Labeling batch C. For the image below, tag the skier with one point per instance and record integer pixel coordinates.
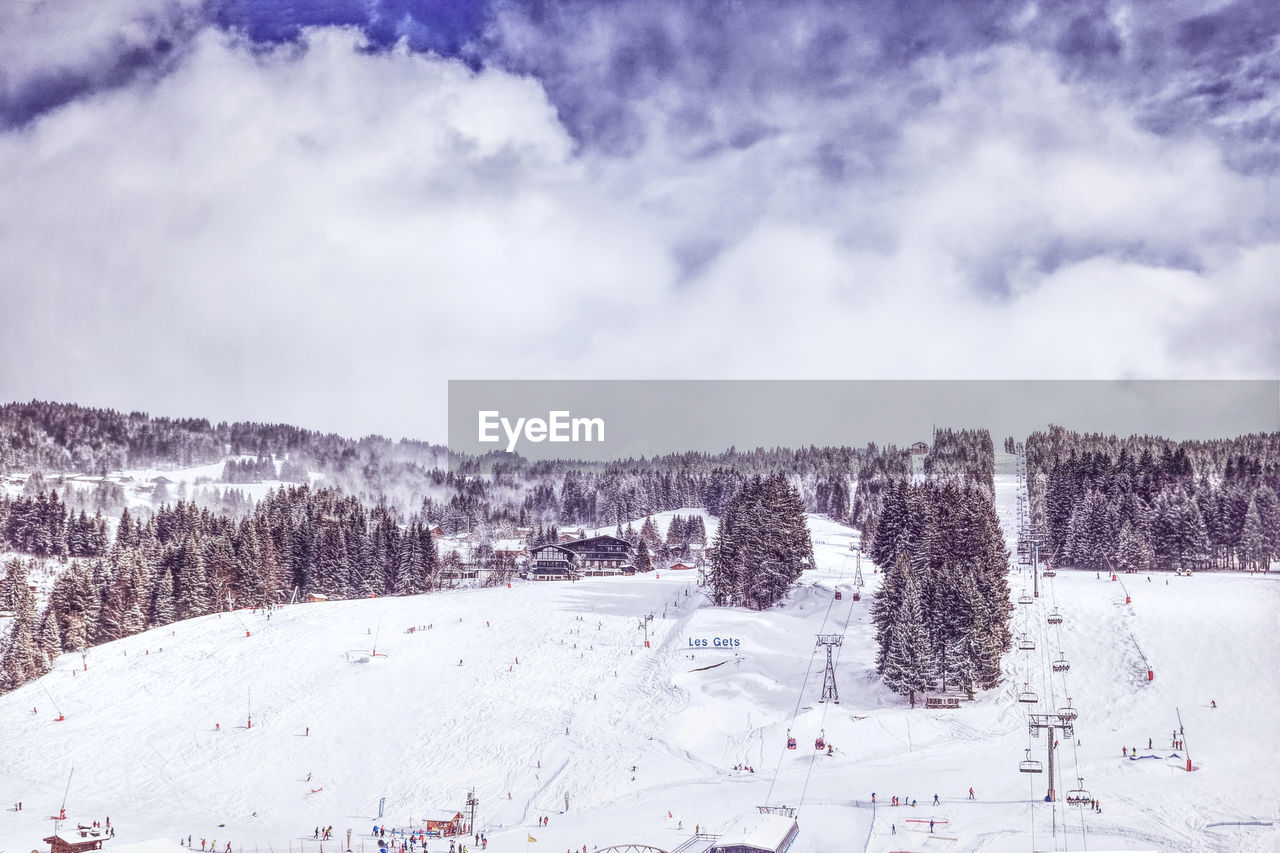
(1124, 750)
(971, 793)
(307, 732)
(935, 799)
(1148, 743)
(1213, 703)
(931, 824)
(893, 829)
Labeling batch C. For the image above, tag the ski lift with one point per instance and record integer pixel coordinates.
(1061, 665)
(1067, 713)
(1055, 618)
(1079, 796)
(1025, 599)
(1027, 644)
(791, 742)
(857, 596)
(839, 595)
(1027, 695)
(820, 742)
(1030, 765)
(1049, 573)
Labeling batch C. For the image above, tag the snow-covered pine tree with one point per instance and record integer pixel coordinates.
(20, 658)
(909, 664)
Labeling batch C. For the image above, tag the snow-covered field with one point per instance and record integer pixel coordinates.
(557, 697)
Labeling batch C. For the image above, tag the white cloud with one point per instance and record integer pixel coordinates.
(324, 235)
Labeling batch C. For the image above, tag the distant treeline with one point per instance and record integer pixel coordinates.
(1145, 502)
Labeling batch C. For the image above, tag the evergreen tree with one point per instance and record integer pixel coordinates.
(20, 657)
(909, 664)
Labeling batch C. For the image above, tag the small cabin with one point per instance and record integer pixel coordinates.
(510, 548)
(680, 566)
(76, 840)
(760, 833)
(316, 596)
(436, 531)
(444, 823)
(919, 448)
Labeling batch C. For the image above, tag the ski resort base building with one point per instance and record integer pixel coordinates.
(602, 555)
(759, 833)
(552, 563)
(598, 556)
(75, 840)
(444, 823)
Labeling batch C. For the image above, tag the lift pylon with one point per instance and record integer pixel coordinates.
(829, 690)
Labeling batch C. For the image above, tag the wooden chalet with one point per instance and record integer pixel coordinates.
(436, 531)
(681, 566)
(571, 534)
(444, 823)
(603, 555)
(316, 596)
(76, 840)
(552, 563)
(919, 448)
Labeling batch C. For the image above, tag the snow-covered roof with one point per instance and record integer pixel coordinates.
(442, 815)
(758, 831)
(509, 545)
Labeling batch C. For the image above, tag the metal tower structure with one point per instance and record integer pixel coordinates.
(857, 570)
(1051, 723)
(829, 677)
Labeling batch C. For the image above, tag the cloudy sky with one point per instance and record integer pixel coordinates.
(320, 212)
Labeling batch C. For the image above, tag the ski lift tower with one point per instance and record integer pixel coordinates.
(857, 570)
(1051, 723)
(829, 677)
(471, 804)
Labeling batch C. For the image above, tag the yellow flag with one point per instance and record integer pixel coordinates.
(531, 838)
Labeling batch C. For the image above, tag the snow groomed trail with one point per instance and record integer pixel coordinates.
(160, 739)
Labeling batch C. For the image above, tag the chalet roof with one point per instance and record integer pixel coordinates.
(443, 815)
(570, 553)
(579, 545)
(764, 832)
(509, 545)
(77, 836)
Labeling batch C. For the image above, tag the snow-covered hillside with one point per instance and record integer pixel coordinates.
(545, 691)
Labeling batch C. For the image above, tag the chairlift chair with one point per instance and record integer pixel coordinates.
(1050, 573)
(820, 742)
(1025, 599)
(1055, 618)
(1027, 695)
(1079, 796)
(1027, 644)
(791, 742)
(1066, 712)
(839, 595)
(1030, 765)
(1061, 665)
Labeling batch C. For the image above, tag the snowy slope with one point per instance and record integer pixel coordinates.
(420, 729)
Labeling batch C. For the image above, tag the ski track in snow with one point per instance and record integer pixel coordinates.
(415, 727)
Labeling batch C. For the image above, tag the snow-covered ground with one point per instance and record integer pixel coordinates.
(556, 696)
